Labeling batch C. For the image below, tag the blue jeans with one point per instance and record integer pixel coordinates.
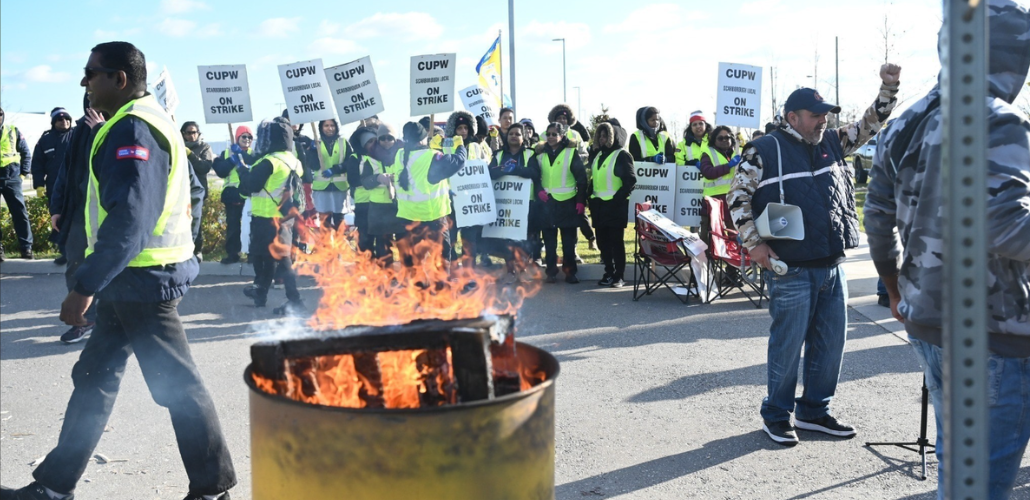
(809, 307)
(1008, 381)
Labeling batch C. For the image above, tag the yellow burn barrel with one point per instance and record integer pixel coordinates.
(498, 449)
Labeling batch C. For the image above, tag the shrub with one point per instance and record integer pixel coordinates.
(39, 220)
(213, 226)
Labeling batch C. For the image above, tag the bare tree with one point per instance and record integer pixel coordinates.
(889, 33)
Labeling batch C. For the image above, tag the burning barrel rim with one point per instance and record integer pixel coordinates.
(548, 364)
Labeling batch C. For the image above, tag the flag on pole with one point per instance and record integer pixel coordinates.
(489, 69)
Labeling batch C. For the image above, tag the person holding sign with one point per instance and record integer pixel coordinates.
(237, 157)
(462, 124)
(613, 180)
(651, 141)
(330, 191)
(383, 224)
(423, 191)
(362, 141)
(804, 160)
(563, 183)
(517, 160)
(695, 140)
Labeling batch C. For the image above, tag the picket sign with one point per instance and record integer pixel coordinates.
(474, 203)
(512, 197)
(656, 184)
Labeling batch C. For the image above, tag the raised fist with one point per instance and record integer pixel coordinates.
(890, 73)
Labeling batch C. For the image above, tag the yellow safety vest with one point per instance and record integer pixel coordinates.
(265, 203)
(557, 179)
(606, 184)
(9, 146)
(422, 201)
(715, 187)
(646, 148)
(330, 161)
(378, 195)
(171, 240)
(692, 152)
(234, 177)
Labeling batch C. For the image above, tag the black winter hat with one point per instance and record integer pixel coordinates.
(413, 132)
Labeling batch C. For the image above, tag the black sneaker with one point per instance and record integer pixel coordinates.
(781, 432)
(607, 280)
(27, 255)
(60, 261)
(883, 300)
(77, 334)
(250, 291)
(571, 279)
(826, 425)
(194, 496)
(619, 283)
(34, 491)
(231, 259)
(551, 279)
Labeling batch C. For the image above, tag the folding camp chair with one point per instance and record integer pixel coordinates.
(726, 252)
(657, 261)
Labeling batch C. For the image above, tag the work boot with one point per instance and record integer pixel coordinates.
(194, 496)
(34, 491)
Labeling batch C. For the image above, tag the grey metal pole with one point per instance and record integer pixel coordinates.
(511, 51)
(964, 177)
(564, 88)
(836, 70)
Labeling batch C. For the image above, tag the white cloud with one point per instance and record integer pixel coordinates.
(654, 17)
(338, 46)
(278, 27)
(182, 6)
(45, 74)
(176, 27)
(209, 30)
(404, 27)
(105, 34)
(327, 28)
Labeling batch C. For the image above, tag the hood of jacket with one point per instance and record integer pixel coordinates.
(356, 144)
(326, 138)
(642, 122)
(273, 136)
(619, 138)
(561, 109)
(906, 189)
(457, 118)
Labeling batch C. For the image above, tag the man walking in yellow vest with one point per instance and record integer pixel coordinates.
(15, 163)
(139, 261)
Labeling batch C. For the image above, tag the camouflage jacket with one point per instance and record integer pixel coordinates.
(903, 214)
(749, 172)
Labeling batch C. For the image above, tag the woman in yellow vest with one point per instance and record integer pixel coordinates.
(563, 189)
(384, 227)
(695, 140)
(613, 180)
(362, 141)
(516, 159)
(462, 124)
(330, 194)
(718, 166)
(423, 191)
(228, 165)
(273, 183)
(651, 141)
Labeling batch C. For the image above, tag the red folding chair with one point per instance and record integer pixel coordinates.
(657, 261)
(731, 265)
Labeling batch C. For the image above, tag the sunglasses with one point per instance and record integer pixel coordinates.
(191, 132)
(247, 137)
(723, 138)
(91, 72)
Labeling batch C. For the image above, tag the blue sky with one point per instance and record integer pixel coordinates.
(624, 55)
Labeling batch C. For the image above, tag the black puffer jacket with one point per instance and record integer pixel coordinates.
(615, 212)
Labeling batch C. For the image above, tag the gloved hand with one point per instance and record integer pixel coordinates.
(542, 195)
(580, 209)
(384, 179)
(436, 143)
(41, 192)
(458, 142)
(495, 131)
(509, 166)
(734, 161)
(237, 160)
(327, 173)
(236, 149)
(659, 158)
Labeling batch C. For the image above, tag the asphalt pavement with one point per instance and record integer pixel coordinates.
(656, 399)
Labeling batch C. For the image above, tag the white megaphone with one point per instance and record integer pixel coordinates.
(781, 221)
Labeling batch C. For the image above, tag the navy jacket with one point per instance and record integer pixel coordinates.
(68, 196)
(132, 192)
(47, 157)
(817, 179)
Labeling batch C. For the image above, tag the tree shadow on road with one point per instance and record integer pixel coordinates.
(653, 472)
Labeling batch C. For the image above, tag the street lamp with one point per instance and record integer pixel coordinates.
(564, 96)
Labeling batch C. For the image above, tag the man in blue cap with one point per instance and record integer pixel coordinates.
(804, 161)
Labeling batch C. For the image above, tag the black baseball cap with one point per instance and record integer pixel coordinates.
(806, 98)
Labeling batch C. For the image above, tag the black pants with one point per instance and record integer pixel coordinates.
(263, 232)
(613, 250)
(233, 224)
(584, 227)
(153, 331)
(75, 251)
(11, 190)
(439, 229)
(568, 250)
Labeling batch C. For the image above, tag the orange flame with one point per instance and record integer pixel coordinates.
(359, 290)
